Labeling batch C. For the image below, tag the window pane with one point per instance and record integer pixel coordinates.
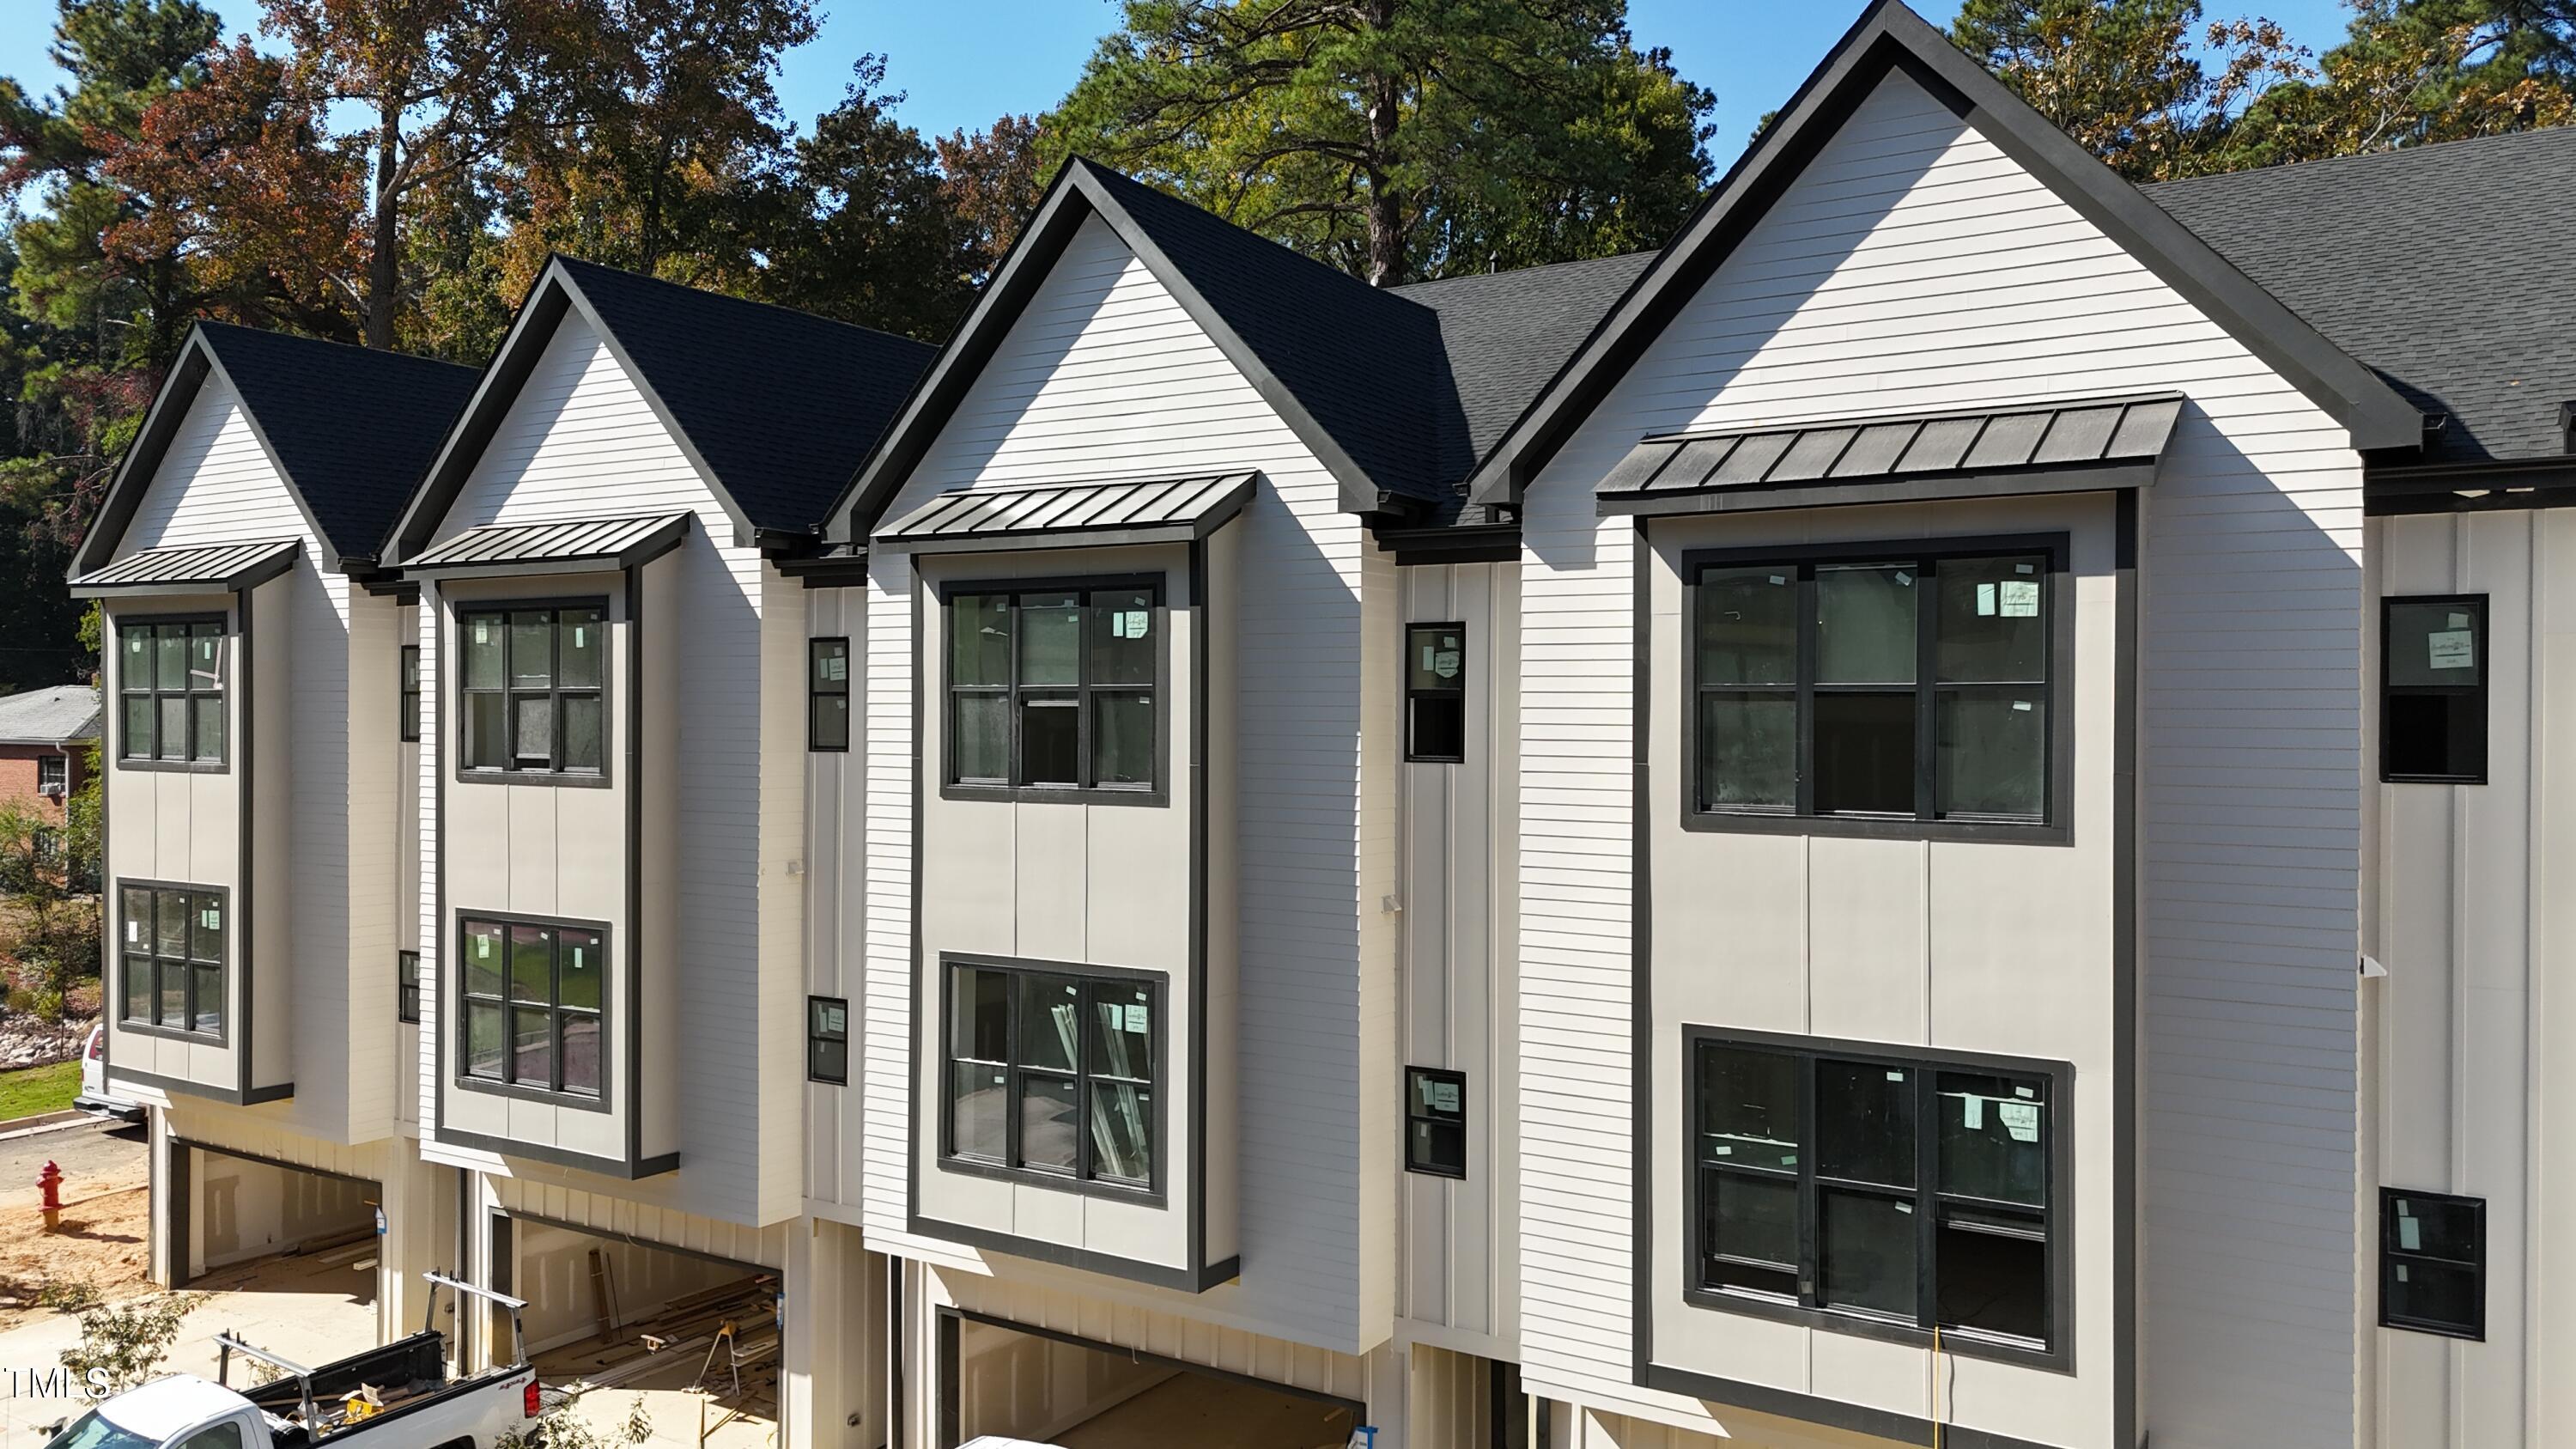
(2436, 734)
(585, 746)
(1050, 1023)
(1050, 639)
(1123, 647)
(485, 949)
(580, 966)
(1122, 739)
(1122, 1131)
(482, 648)
(2434, 644)
(533, 746)
(980, 732)
(531, 963)
(1436, 1147)
(582, 639)
(2434, 1227)
(1748, 626)
(174, 994)
(1865, 754)
(829, 662)
(2423, 1290)
(1865, 1253)
(1748, 1107)
(581, 1052)
(134, 671)
(209, 733)
(1865, 624)
(410, 667)
(976, 1107)
(1994, 1273)
(1436, 727)
(1050, 1123)
(532, 1046)
(411, 716)
(210, 998)
(487, 731)
(1993, 754)
(1748, 751)
(170, 647)
(828, 1061)
(1865, 1122)
(1989, 626)
(1050, 740)
(1122, 1030)
(483, 1041)
(1435, 659)
(174, 727)
(532, 655)
(827, 1019)
(980, 1009)
(1994, 1138)
(139, 715)
(206, 927)
(205, 656)
(170, 924)
(979, 639)
(831, 721)
(1750, 1218)
(138, 988)
(135, 907)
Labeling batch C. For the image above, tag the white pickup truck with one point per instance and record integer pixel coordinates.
(395, 1397)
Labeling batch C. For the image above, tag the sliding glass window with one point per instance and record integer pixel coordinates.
(1053, 1074)
(1055, 689)
(532, 689)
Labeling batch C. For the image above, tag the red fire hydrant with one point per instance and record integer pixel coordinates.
(50, 1182)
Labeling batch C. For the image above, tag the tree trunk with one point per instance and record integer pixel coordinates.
(384, 257)
(1385, 205)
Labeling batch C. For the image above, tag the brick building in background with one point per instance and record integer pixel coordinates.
(44, 744)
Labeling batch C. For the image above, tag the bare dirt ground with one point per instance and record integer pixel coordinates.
(106, 1217)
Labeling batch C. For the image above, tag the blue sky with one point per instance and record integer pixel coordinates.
(965, 62)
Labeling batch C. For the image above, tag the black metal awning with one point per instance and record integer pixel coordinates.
(562, 546)
(1060, 515)
(202, 569)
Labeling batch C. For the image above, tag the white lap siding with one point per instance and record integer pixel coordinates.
(1914, 267)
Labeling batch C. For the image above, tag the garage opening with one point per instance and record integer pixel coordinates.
(1003, 1381)
(259, 1226)
(615, 1319)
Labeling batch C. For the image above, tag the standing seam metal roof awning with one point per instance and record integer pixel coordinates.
(1053, 515)
(202, 569)
(2034, 448)
(560, 546)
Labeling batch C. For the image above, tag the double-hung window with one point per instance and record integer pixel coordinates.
(1053, 1074)
(53, 774)
(532, 1003)
(827, 1040)
(1055, 688)
(532, 695)
(1435, 693)
(171, 953)
(410, 697)
(2433, 1263)
(2433, 690)
(170, 691)
(827, 694)
(407, 986)
(1879, 684)
(1880, 1192)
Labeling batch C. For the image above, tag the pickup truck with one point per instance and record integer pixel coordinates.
(395, 1397)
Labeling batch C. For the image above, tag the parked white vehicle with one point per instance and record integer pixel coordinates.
(96, 1097)
(394, 1397)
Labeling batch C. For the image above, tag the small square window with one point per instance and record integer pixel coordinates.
(827, 1040)
(2433, 1263)
(2433, 690)
(52, 771)
(1435, 693)
(1435, 1122)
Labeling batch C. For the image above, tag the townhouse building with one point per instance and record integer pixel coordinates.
(1920, 818)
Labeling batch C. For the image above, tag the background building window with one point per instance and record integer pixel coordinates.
(1902, 1191)
(1435, 692)
(532, 1000)
(171, 955)
(1054, 689)
(53, 774)
(2433, 1263)
(407, 986)
(410, 692)
(531, 693)
(170, 691)
(827, 1040)
(827, 685)
(1053, 1074)
(1435, 1122)
(2433, 690)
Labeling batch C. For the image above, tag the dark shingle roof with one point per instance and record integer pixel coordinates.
(353, 427)
(2446, 268)
(781, 404)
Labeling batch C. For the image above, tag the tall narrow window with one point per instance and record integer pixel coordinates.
(531, 695)
(1055, 689)
(410, 701)
(827, 1040)
(531, 998)
(2433, 1263)
(171, 956)
(170, 691)
(2433, 690)
(1435, 1122)
(1053, 1074)
(827, 686)
(407, 986)
(1435, 692)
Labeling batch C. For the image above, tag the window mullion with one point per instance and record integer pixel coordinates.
(1927, 1207)
(1927, 756)
(1806, 686)
(1810, 1252)
(1011, 1022)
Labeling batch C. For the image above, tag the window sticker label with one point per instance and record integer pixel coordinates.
(211, 918)
(1128, 624)
(1974, 1108)
(2019, 598)
(1137, 1019)
(2021, 1119)
(1444, 1096)
(580, 634)
(482, 947)
(835, 669)
(1985, 601)
(1445, 663)
(2410, 1234)
(2452, 648)
(482, 631)
(133, 930)
(835, 1018)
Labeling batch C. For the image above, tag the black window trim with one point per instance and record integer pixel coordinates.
(452, 1014)
(1413, 756)
(1160, 794)
(816, 693)
(2055, 827)
(815, 1035)
(407, 694)
(2057, 1354)
(1153, 1194)
(1413, 1113)
(2481, 691)
(117, 624)
(452, 723)
(2390, 1255)
(111, 1006)
(407, 993)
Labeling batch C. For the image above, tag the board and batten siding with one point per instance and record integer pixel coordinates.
(1913, 266)
(1104, 375)
(836, 894)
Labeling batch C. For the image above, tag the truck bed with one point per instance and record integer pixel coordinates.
(407, 1375)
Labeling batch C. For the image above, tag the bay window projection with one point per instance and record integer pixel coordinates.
(1888, 685)
(171, 958)
(1878, 1193)
(1055, 689)
(531, 1006)
(531, 692)
(170, 692)
(1053, 1075)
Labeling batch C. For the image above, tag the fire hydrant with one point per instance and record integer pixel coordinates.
(50, 1182)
